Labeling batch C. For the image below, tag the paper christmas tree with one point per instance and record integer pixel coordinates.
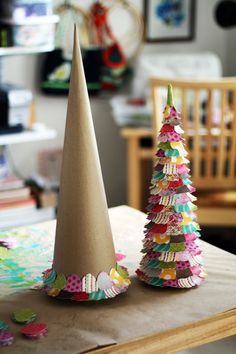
(171, 247)
(84, 265)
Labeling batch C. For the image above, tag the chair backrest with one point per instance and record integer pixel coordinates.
(209, 120)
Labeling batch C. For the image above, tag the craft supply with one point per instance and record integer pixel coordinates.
(21, 9)
(35, 330)
(84, 265)
(88, 287)
(171, 234)
(3, 326)
(23, 316)
(6, 338)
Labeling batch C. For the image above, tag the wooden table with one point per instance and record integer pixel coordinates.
(143, 320)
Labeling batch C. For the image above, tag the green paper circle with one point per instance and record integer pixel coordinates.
(23, 316)
(60, 282)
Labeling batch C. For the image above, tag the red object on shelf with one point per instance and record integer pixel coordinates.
(136, 101)
(102, 29)
(113, 57)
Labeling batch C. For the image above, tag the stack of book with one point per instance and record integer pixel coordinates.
(17, 206)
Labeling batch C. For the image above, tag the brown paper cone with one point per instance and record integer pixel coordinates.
(84, 241)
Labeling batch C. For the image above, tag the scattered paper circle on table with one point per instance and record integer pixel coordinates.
(3, 326)
(6, 338)
(35, 330)
(23, 316)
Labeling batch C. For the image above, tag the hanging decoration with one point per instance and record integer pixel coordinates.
(107, 65)
(55, 75)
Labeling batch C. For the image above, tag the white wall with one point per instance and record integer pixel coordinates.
(231, 53)
(52, 111)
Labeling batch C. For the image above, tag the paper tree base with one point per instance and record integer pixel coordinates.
(87, 288)
(185, 283)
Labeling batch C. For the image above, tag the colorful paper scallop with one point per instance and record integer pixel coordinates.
(35, 330)
(88, 287)
(89, 284)
(104, 282)
(60, 282)
(73, 284)
(112, 292)
(172, 152)
(49, 276)
(24, 315)
(6, 338)
(3, 326)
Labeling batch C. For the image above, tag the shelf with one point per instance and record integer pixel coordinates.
(28, 217)
(32, 20)
(27, 136)
(25, 50)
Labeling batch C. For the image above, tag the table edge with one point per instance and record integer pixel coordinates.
(191, 335)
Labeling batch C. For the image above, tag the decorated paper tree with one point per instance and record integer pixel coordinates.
(171, 247)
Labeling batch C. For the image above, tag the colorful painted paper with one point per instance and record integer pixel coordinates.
(32, 243)
(36, 245)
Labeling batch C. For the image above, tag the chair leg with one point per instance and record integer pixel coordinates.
(134, 173)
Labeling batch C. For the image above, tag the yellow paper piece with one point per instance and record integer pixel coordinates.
(177, 145)
(168, 274)
(3, 253)
(166, 111)
(163, 184)
(117, 279)
(161, 239)
(177, 160)
(186, 220)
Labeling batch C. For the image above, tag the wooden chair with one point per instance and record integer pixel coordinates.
(209, 121)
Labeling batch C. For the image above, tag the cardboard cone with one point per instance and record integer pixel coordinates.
(84, 245)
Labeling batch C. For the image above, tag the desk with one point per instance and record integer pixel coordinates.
(143, 320)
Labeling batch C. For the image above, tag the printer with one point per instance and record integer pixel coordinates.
(15, 105)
